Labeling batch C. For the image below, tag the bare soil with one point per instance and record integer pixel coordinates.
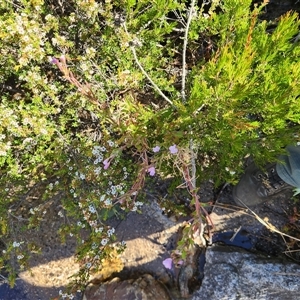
(151, 237)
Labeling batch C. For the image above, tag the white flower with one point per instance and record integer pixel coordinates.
(90, 51)
(3, 153)
(107, 202)
(92, 209)
(104, 242)
(96, 150)
(27, 141)
(43, 131)
(98, 229)
(230, 171)
(97, 171)
(110, 232)
(110, 143)
(16, 244)
(93, 223)
(84, 67)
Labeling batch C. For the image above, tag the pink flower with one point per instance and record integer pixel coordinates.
(63, 59)
(53, 60)
(173, 149)
(168, 263)
(151, 171)
(179, 263)
(106, 164)
(156, 149)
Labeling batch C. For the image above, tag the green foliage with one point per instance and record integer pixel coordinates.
(81, 132)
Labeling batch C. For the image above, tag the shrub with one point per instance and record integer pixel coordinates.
(98, 96)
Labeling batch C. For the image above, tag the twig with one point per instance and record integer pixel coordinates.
(14, 4)
(183, 93)
(291, 251)
(193, 163)
(235, 234)
(267, 224)
(155, 86)
(191, 179)
(185, 42)
(148, 77)
(217, 199)
(3, 279)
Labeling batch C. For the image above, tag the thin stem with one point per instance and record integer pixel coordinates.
(145, 73)
(192, 179)
(193, 163)
(148, 77)
(183, 92)
(185, 42)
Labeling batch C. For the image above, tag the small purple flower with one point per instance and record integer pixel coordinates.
(168, 263)
(106, 164)
(53, 60)
(151, 171)
(173, 149)
(156, 149)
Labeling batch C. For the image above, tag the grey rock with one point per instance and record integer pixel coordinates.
(143, 288)
(232, 273)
